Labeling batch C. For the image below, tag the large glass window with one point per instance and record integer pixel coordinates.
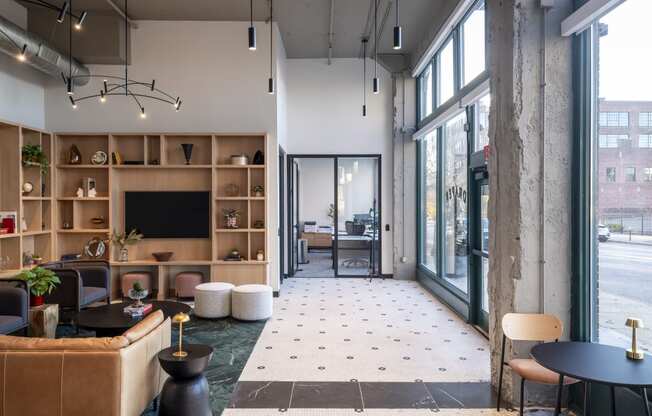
(425, 92)
(446, 73)
(482, 127)
(473, 43)
(622, 212)
(456, 230)
(429, 196)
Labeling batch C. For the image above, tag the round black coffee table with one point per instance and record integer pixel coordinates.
(185, 393)
(110, 320)
(595, 363)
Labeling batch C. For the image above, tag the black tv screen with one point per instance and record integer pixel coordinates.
(168, 214)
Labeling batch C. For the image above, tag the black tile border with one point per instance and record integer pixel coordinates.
(362, 395)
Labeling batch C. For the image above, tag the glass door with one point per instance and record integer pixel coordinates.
(357, 234)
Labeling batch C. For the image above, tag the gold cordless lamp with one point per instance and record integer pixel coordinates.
(634, 353)
(180, 319)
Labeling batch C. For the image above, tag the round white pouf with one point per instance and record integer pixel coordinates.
(213, 300)
(252, 302)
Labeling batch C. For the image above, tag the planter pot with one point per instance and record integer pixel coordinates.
(231, 222)
(36, 300)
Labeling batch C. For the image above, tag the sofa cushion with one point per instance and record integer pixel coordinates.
(144, 327)
(10, 343)
(9, 323)
(93, 294)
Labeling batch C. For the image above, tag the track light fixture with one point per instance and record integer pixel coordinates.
(376, 81)
(252, 29)
(115, 85)
(62, 12)
(364, 76)
(80, 20)
(270, 82)
(398, 31)
(22, 56)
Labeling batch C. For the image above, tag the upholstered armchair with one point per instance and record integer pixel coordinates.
(82, 282)
(14, 306)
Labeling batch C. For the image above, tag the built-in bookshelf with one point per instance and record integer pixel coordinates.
(26, 192)
(59, 221)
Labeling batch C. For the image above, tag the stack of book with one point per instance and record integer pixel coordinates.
(134, 310)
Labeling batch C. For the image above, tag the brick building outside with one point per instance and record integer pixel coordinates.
(625, 166)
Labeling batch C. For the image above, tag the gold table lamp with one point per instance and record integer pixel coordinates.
(180, 319)
(634, 353)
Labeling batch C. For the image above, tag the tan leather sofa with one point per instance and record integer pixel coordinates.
(117, 376)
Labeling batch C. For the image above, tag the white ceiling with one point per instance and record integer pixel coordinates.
(304, 24)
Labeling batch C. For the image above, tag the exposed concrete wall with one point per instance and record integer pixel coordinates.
(405, 224)
(530, 135)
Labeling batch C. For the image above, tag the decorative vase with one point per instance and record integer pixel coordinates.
(35, 300)
(260, 255)
(124, 254)
(231, 222)
(74, 156)
(187, 151)
(259, 159)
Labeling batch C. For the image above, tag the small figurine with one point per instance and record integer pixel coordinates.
(80, 193)
(92, 193)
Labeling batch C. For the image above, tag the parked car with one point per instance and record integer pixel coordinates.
(603, 233)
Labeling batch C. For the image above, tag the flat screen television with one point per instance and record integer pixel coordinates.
(168, 214)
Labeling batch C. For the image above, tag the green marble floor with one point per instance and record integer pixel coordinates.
(232, 341)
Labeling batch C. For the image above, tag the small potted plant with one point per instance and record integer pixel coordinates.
(40, 282)
(231, 216)
(137, 293)
(122, 240)
(258, 190)
(33, 155)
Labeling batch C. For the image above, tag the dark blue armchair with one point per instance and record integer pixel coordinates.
(14, 306)
(82, 282)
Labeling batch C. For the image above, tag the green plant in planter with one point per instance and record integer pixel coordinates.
(123, 239)
(33, 155)
(259, 189)
(40, 281)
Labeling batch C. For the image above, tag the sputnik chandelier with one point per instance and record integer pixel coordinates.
(138, 91)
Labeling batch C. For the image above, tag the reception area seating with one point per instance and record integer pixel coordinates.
(82, 283)
(252, 302)
(118, 376)
(14, 305)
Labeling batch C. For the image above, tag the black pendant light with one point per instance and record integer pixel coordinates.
(376, 81)
(69, 86)
(398, 31)
(364, 77)
(270, 82)
(252, 29)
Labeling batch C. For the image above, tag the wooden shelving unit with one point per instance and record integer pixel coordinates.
(159, 165)
(34, 210)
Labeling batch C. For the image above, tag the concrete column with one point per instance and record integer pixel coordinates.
(404, 104)
(529, 168)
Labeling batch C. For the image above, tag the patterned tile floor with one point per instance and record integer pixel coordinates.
(383, 330)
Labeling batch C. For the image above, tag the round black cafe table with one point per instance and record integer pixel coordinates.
(595, 363)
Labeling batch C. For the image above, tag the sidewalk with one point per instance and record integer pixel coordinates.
(634, 239)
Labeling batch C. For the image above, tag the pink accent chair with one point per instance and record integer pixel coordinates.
(128, 279)
(185, 283)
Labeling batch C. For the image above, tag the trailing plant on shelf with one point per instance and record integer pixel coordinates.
(40, 282)
(33, 155)
(122, 240)
(231, 216)
(258, 190)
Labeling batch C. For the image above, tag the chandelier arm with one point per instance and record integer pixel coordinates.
(140, 106)
(122, 95)
(121, 85)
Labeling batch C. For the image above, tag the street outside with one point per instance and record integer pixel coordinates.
(625, 289)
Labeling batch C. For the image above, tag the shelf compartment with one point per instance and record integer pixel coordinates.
(38, 244)
(87, 209)
(33, 216)
(228, 241)
(87, 145)
(227, 177)
(257, 178)
(242, 206)
(73, 242)
(71, 179)
(240, 273)
(256, 242)
(66, 214)
(131, 148)
(9, 168)
(257, 213)
(184, 249)
(10, 252)
(201, 151)
(227, 146)
(153, 149)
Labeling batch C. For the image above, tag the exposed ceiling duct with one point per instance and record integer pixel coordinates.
(38, 53)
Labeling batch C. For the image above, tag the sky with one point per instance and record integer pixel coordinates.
(626, 53)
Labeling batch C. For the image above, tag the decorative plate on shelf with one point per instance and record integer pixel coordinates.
(99, 158)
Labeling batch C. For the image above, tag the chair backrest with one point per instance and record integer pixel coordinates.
(348, 226)
(532, 327)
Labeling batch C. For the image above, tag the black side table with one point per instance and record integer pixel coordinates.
(185, 393)
(595, 363)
